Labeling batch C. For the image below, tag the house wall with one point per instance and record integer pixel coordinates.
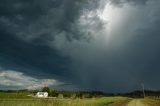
(42, 94)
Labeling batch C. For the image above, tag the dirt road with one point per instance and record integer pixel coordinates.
(121, 103)
(136, 102)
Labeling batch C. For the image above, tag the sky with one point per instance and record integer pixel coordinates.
(104, 45)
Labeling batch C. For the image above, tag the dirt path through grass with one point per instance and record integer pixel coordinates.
(121, 103)
(136, 102)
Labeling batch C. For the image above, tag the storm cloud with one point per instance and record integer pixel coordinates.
(118, 2)
(109, 45)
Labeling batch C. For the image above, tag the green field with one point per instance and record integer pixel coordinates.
(21, 99)
(151, 101)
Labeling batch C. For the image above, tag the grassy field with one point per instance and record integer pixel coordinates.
(21, 99)
(14, 95)
(151, 101)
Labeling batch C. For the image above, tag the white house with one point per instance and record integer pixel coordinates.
(42, 94)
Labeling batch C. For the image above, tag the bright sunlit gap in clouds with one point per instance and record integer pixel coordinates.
(112, 16)
(115, 17)
(103, 23)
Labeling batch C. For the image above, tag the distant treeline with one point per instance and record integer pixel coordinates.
(86, 94)
(66, 94)
(140, 94)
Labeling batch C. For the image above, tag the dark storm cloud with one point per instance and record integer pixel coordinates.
(66, 40)
(30, 19)
(17, 16)
(18, 55)
(121, 2)
(132, 53)
(27, 27)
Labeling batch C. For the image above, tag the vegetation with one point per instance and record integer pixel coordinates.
(68, 94)
(21, 99)
(151, 101)
(14, 95)
(70, 98)
(46, 89)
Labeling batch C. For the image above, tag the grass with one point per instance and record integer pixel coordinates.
(21, 99)
(14, 95)
(151, 101)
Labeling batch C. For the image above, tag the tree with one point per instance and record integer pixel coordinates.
(46, 89)
(54, 93)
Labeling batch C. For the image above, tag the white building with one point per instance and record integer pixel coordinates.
(42, 94)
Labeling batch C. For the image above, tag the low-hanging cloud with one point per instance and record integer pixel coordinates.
(18, 80)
